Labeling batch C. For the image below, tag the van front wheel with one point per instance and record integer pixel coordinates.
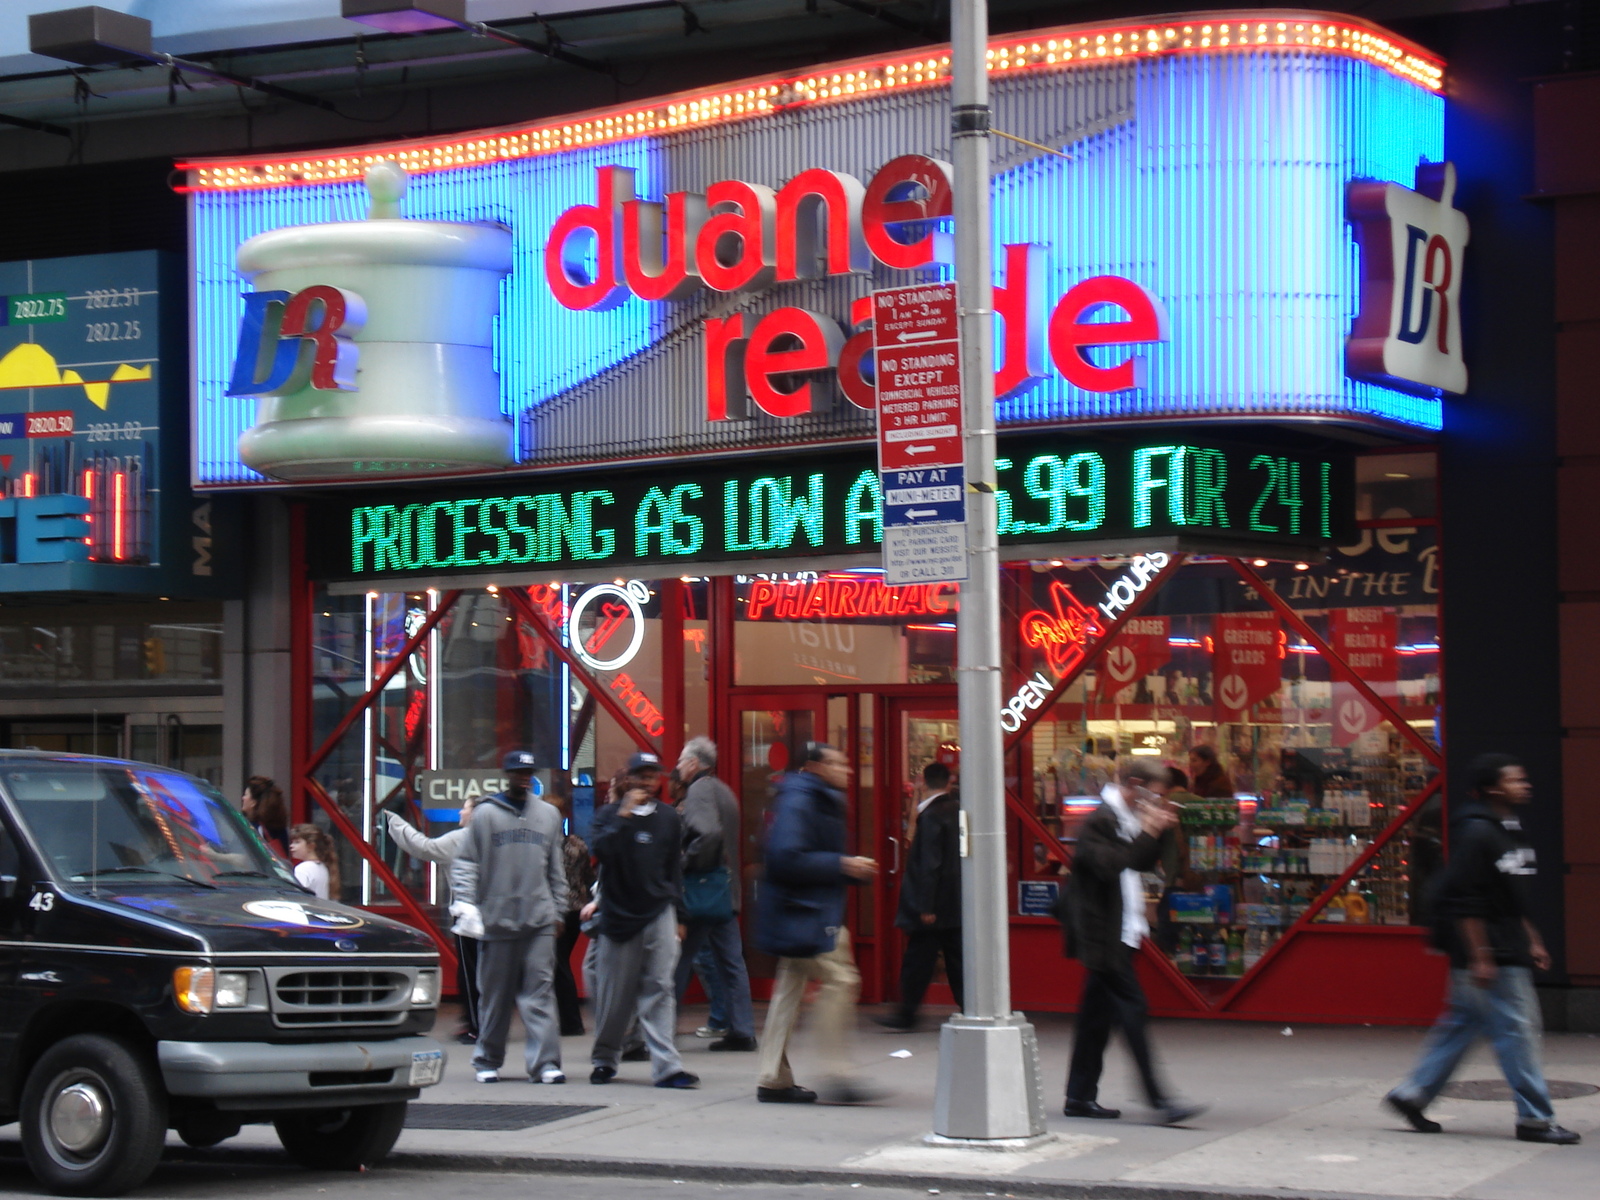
(94, 1117)
(341, 1139)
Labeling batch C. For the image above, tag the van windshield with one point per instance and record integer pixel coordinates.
(99, 823)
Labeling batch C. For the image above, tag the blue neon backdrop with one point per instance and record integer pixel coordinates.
(1223, 194)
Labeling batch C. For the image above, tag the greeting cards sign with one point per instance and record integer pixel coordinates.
(1247, 662)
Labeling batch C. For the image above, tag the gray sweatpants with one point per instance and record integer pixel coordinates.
(591, 985)
(518, 973)
(636, 978)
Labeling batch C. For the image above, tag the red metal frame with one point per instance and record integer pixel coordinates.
(380, 681)
(301, 716)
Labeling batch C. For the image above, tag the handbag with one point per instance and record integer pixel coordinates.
(705, 895)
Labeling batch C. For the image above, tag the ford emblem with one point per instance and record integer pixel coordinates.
(344, 944)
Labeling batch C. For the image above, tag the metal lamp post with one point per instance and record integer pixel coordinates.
(989, 1087)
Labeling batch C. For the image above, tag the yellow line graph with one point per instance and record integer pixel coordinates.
(32, 366)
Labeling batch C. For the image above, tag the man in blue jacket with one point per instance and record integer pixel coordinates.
(801, 922)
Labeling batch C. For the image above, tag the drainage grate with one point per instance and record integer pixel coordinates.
(489, 1117)
(1497, 1089)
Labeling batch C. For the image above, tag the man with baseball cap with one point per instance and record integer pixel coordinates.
(637, 841)
(510, 881)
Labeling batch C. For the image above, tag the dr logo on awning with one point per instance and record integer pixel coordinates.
(1408, 333)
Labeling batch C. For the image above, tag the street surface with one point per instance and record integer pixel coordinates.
(1294, 1113)
(195, 1181)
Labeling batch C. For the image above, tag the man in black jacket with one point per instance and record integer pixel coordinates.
(1105, 924)
(930, 898)
(1481, 921)
(637, 841)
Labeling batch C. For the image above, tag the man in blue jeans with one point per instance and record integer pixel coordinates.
(1481, 920)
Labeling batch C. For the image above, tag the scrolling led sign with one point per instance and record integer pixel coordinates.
(1052, 491)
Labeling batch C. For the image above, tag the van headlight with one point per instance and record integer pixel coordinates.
(233, 989)
(201, 990)
(195, 989)
(425, 991)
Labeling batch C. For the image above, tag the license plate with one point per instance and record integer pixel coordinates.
(427, 1067)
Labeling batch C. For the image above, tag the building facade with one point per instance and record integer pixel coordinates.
(559, 433)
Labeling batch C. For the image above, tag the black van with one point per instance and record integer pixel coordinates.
(162, 969)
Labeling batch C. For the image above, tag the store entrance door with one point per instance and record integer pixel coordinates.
(888, 740)
(920, 731)
(771, 733)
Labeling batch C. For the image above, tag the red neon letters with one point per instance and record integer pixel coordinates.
(741, 236)
(839, 597)
(904, 201)
(1071, 333)
(791, 342)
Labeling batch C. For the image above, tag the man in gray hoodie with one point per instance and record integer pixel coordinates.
(508, 880)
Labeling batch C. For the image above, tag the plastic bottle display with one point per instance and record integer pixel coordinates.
(415, 387)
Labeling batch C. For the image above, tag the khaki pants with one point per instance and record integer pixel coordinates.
(834, 1012)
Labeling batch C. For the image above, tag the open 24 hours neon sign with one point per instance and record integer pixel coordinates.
(743, 237)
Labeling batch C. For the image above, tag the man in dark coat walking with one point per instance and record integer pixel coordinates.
(1105, 923)
(801, 922)
(930, 898)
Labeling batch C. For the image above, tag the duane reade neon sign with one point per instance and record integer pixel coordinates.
(690, 273)
(746, 237)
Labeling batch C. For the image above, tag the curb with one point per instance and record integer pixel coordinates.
(1044, 1189)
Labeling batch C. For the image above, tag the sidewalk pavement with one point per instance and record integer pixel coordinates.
(1293, 1113)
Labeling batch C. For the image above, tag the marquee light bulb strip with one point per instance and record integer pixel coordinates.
(1060, 49)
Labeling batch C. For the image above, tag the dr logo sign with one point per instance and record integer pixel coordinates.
(289, 340)
(1408, 333)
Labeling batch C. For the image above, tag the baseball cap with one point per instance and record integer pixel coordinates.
(643, 760)
(518, 760)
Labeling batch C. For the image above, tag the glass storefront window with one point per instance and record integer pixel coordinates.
(487, 679)
(1291, 772)
(123, 644)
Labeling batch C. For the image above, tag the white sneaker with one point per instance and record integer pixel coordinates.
(552, 1075)
(710, 1031)
(488, 1076)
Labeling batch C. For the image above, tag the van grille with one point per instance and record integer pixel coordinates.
(304, 998)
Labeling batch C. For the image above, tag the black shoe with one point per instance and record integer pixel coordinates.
(1176, 1113)
(637, 1054)
(1412, 1112)
(602, 1074)
(1088, 1108)
(681, 1080)
(733, 1042)
(896, 1022)
(793, 1094)
(845, 1092)
(572, 1031)
(1550, 1135)
(467, 1038)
